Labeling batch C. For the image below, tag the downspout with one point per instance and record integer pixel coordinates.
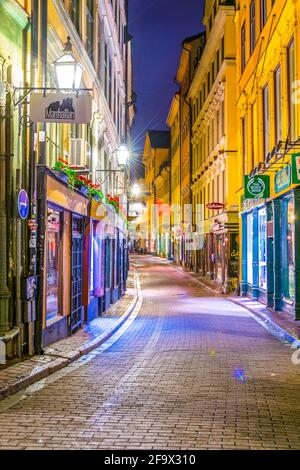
(5, 295)
(38, 173)
(21, 228)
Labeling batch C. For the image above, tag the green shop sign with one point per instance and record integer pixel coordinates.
(257, 187)
(282, 179)
(296, 168)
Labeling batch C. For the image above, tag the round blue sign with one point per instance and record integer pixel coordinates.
(23, 204)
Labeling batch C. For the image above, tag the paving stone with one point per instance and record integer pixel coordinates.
(159, 387)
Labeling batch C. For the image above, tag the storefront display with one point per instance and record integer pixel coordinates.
(262, 248)
(54, 254)
(250, 249)
(288, 258)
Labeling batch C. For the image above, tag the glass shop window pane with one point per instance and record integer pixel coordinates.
(249, 249)
(262, 246)
(291, 250)
(53, 263)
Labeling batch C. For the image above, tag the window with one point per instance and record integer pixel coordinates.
(262, 247)
(291, 79)
(90, 29)
(243, 47)
(288, 254)
(54, 260)
(277, 99)
(222, 118)
(99, 46)
(244, 144)
(75, 13)
(263, 13)
(222, 49)
(249, 249)
(266, 120)
(110, 84)
(105, 69)
(218, 60)
(252, 26)
(254, 146)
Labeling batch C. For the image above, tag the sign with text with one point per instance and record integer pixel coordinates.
(282, 179)
(61, 107)
(257, 187)
(215, 206)
(296, 168)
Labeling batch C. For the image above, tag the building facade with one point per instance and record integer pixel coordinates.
(68, 261)
(173, 122)
(155, 159)
(191, 47)
(214, 143)
(268, 40)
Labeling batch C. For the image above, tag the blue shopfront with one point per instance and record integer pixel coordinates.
(271, 250)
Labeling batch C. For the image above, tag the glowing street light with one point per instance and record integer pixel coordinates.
(136, 190)
(123, 155)
(67, 70)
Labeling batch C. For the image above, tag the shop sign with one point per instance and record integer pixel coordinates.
(23, 204)
(215, 206)
(257, 187)
(29, 288)
(217, 225)
(296, 168)
(61, 108)
(283, 179)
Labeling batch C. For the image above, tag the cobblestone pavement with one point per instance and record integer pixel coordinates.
(191, 372)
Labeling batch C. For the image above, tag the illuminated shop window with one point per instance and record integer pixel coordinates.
(249, 249)
(288, 258)
(262, 246)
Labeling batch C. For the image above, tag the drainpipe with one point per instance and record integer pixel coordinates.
(39, 57)
(21, 226)
(5, 295)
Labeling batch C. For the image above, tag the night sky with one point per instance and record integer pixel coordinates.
(158, 27)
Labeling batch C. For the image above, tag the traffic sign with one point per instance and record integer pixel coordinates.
(23, 204)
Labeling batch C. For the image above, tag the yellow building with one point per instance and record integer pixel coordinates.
(163, 202)
(156, 153)
(268, 46)
(173, 121)
(191, 47)
(214, 143)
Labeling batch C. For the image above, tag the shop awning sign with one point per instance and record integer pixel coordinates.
(257, 187)
(282, 179)
(296, 168)
(61, 108)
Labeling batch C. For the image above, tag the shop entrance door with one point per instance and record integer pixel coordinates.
(76, 279)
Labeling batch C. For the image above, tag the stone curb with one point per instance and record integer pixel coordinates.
(60, 362)
(280, 333)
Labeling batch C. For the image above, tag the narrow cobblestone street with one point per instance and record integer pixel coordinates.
(191, 372)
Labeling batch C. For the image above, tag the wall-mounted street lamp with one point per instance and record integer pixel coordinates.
(67, 70)
(123, 155)
(135, 190)
(68, 74)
